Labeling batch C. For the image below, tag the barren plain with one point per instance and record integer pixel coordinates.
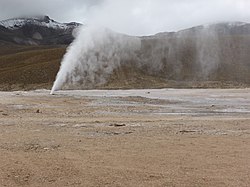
(161, 137)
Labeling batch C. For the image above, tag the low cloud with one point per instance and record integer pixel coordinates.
(143, 17)
(135, 17)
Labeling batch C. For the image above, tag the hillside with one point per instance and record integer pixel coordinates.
(218, 52)
(40, 30)
(24, 68)
(215, 55)
(211, 56)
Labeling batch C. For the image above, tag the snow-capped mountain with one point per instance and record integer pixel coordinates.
(36, 31)
(43, 21)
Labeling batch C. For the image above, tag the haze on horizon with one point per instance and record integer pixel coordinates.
(134, 17)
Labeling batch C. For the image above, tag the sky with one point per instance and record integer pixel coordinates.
(134, 17)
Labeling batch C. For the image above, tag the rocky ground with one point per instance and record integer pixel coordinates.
(125, 138)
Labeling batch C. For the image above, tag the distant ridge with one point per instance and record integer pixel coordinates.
(206, 56)
(36, 30)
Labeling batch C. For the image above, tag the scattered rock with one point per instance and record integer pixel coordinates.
(187, 131)
(118, 133)
(80, 126)
(117, 125)
(129, 132)
(32, 147)
(112, 133)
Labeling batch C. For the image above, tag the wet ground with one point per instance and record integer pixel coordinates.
(174, 101)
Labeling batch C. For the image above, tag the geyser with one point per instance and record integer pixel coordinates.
(93, 56)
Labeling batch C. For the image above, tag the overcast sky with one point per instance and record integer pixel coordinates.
(137, 17)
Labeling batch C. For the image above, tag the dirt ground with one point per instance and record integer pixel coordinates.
(125, 138)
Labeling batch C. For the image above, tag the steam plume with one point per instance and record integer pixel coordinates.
(93, 56)
(195, 54)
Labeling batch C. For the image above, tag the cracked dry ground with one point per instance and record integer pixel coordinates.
(118, 141)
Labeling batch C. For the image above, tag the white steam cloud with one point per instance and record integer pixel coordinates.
(147, 17)
(93, 56)
(133, 17)
(98, 51)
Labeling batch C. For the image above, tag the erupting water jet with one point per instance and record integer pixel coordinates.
(93, 56)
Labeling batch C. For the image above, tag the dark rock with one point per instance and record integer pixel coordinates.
(25, 29)
(117, 125)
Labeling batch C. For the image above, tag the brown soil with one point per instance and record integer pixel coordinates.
(24, 68)
(79, 140)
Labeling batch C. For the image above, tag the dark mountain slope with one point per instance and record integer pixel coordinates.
(29, 68)
(36, 31)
